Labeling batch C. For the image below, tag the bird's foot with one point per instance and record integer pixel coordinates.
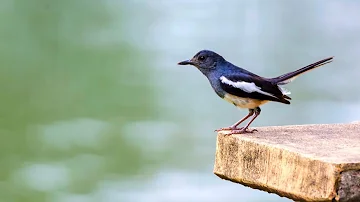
(241, 131)
(227, 128)
(234, 130)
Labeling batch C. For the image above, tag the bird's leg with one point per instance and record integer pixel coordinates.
(245, 129)
(233, 127)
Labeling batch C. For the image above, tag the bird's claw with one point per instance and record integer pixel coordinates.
(226, 128)
(241, 131)
(234, 130)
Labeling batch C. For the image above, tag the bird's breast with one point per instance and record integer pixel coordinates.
(244, 102)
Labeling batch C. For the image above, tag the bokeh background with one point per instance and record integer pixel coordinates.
(94, 107)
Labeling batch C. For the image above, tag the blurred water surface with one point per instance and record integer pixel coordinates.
(94, 107)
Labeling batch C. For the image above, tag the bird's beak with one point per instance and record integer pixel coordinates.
(186, 62)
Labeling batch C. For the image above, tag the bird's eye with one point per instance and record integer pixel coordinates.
(201, 58)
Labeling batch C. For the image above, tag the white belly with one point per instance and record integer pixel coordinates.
(244, 102)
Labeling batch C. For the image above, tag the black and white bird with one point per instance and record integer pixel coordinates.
(242, 88)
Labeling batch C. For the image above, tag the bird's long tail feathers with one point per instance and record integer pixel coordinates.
(288, 77)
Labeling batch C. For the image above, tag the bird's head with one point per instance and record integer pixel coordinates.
(204, 60)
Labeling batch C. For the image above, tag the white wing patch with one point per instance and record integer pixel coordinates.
(245, 86)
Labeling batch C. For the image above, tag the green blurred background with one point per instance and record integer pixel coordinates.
(94, 107)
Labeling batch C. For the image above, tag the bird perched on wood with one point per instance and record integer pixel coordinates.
(242, 88)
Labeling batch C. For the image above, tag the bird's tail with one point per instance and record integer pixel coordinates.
(287, 78)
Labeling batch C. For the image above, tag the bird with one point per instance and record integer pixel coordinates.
(243, 88)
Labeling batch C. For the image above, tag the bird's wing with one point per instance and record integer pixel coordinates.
(252, 87)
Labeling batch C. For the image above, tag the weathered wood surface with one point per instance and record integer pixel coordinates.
(303, 163)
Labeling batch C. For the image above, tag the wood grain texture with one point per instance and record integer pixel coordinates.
(304, 163)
